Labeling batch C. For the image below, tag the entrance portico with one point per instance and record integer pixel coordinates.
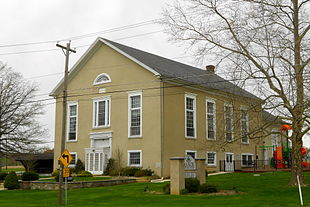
(96, 157)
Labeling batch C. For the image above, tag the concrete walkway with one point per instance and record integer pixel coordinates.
(168, 180)
(218, 173)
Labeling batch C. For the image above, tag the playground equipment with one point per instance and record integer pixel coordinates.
(283, 156)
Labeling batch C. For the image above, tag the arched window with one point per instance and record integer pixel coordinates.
(102, 78)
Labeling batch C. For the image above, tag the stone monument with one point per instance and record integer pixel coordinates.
(185, 167)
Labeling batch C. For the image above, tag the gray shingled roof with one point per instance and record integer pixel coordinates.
(268, 117)
(182, 72)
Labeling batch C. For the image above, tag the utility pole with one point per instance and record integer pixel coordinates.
(66, 51)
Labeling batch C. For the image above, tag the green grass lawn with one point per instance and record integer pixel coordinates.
(269, 189)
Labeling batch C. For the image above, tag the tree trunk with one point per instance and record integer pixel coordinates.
(297, 168)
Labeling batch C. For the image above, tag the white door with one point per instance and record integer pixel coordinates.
(95, 162)
(229, 162)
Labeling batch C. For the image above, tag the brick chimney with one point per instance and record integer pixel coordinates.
(210, 68)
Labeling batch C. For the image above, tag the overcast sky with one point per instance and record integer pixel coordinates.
(52, 20)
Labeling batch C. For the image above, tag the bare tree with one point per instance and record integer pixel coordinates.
(19, 130)
(263, 42)
(119, 160)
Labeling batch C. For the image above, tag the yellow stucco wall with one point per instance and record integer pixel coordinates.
(175, 142)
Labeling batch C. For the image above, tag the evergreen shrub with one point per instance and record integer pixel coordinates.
(11, 181)
(192, 185)
(205, 188)
(29, 176)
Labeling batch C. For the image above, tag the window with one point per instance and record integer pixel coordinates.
(135, 114)
(102, 78)
(244, 126)
(211, 119)
(228, 116)
(191, 153)
(135, 158)
(74, 158)
(190, 116)
(247, 160)
(211, 158)
(101, 108)
(72, 122)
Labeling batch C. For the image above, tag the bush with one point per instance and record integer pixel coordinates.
(183, 191)
(110, 169)
(192, 184)
(205, 188)
(143, 172)
(29, 176)
(79, 166)
(166, 188)
(129, 171)
(3, 175)
(55, 174)
(84, 174)
(71, 171)
(11, 181)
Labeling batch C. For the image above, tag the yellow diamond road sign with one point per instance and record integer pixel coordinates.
(65, 158)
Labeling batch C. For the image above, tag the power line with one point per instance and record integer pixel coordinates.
(49, 50)
(152, 88)
(115, 29)
(177, 78)
(85, 35)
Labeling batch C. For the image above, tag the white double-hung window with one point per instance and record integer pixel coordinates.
(190, 116)
(74, 159)
(135, 114)
(211, 159)
(211, 119)
(244, 125)
(72, 121)
(101, 111)
(135, 158)
(228, 118)
(247, 160)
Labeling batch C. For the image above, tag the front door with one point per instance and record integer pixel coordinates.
(229, 162)
(95, 161)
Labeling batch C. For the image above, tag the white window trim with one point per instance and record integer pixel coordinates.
(73, 153)
(102, 82)
(192, 151)
(193, 96)
(134, 93)
(247, 154)
(97, 99)
(247, 123)
(128, 161)
(232, 121)
(214, 159)
(214, 124)
(72, 103)
(230, 153)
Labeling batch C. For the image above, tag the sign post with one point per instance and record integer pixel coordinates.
(65, 159)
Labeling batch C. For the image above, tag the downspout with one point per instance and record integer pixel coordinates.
(162, 127)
